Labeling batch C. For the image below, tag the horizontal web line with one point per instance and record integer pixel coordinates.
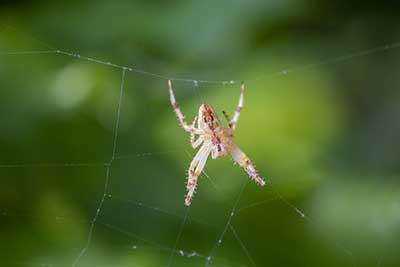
(84, 163)
(110, 64)
(196, 81)
(41, 165)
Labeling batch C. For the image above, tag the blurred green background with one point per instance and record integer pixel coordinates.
(326, 136)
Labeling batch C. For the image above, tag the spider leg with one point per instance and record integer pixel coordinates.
(195, 143)
(214, 153)
(226, 116)
(195, 169)
(178, 112)
(240, 158)
(232, 123)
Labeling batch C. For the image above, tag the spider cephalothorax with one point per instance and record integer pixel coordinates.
(216, 138)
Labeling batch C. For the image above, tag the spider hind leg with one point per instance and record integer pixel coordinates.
(241, 158)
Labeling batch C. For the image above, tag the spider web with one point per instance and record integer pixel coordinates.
(126, 205)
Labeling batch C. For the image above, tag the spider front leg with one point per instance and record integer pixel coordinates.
(195, 169)
(178, 112)
(240, 158)
(232, 123)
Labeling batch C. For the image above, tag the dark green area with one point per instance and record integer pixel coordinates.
(321, 123)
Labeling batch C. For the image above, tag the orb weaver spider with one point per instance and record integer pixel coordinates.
(216, 138)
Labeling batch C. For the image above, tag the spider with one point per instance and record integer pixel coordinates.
(216, 138)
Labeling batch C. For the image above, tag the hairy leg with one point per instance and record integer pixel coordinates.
(240, 158)
(232, 123)
(195, 169)
(178, 112)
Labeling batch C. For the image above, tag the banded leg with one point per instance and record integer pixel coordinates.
(226, 116)
(178, 112)
(195, 169)
(240, 158)
(232, 123)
